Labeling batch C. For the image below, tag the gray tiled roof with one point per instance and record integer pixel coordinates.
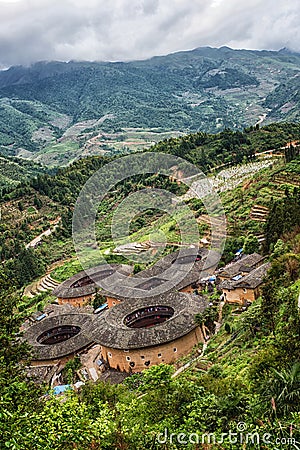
(112, 332)
(109, 329)
(67, 289)
(250, 281)
(74, 344)
(177, 270)
(245, 264)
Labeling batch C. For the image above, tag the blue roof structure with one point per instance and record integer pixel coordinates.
(61, 389)
(101, 308)
(41, 317)
(237, 277)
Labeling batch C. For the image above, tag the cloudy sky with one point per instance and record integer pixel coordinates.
(33, 30)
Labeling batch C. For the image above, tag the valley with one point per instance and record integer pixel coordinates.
(79, 109)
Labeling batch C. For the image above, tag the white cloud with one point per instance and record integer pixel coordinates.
(32, 30)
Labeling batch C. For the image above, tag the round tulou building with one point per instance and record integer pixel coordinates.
(137, 334)
(81, 288)
(58, 338)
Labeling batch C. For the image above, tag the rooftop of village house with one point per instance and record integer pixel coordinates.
(246, 263)
(110, 328)
(85, 282)
(249, 281)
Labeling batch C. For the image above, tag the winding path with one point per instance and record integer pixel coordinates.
(37, 239)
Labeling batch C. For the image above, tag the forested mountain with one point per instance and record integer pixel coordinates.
(205, 89)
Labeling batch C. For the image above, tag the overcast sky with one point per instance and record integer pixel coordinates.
(34, 30)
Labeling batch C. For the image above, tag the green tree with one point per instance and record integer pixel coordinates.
(26, 267)
(71, 368)
(98, 300)
(208, 318)
(18, 396)
(279, 248)
(251, 244)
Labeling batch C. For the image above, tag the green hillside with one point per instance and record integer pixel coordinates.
(14, 171)
(245, 380)
(205, 150)
(284, 99)
(30, 208)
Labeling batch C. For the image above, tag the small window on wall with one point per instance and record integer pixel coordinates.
(142, 357)
(147, 363)
(114, 303)
(126, 351)
(175, 350)
(132, 364)
(128, 358)
(109, 354)
(245, 290)
(159, 355)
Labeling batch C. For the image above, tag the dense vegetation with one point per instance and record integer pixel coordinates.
(16, 170)
(230, 147)
(283, 217)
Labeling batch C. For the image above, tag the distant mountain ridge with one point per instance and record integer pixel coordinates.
(205, 89)
(43, 69)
